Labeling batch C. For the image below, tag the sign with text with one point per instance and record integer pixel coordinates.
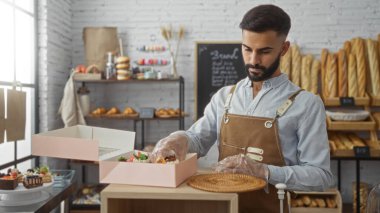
(218, 64)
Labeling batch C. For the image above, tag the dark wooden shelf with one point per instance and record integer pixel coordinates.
(129, 81)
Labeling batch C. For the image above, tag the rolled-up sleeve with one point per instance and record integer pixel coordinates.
(203, 133)
(312, 173)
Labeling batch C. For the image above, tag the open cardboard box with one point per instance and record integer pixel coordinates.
(106, 145)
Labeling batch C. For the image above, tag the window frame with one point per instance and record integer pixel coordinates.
(34, 86)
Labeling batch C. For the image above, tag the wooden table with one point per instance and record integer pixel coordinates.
(118, 198)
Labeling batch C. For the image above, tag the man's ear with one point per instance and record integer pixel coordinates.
(285, 48)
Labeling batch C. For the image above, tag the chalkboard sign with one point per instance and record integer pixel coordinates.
(218, 64)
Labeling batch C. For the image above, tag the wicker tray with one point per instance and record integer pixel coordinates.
(226, 182)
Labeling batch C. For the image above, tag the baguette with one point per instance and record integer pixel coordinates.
(286, 63)
(331, 75)
(352, 77)
(342, 74)
(346, 141)
(356, 140)
(339, 145)
(306, 72)
(315, 68)
(361, 67)
(296, 65)
(324, 55)
(332, 146)
(347, 48)
(373, 58)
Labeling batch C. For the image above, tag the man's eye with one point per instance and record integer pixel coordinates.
(247, 50)
(265, 52)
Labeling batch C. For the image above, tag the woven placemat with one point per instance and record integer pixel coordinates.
(226, 182)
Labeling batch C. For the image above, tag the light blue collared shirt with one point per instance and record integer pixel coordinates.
(302, 130)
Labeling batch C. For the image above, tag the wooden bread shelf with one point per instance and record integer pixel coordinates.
(332, 194)
(375, 100)
(376, 116)
(368, 124)
(359, 101)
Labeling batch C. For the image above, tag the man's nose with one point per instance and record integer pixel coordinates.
(254, 58)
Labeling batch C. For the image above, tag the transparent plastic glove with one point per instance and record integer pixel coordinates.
(243, 165)
(175, 144)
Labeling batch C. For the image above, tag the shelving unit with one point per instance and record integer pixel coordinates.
(181, 103)
(369, 125)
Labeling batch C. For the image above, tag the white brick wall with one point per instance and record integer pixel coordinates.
(55, 48)
(315, 25)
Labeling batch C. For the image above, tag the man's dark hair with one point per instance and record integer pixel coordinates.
(266, 17)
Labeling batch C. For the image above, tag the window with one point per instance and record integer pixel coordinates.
(18, 60)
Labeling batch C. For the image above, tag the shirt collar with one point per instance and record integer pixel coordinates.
(272, 82)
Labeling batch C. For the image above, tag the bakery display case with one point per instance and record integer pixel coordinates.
(318, 202)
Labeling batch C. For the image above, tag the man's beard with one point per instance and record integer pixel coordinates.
(265, 73)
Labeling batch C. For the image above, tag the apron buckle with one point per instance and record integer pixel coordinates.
(268, 124)
(226, 119)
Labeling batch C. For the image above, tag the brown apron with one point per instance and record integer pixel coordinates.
(258, 138)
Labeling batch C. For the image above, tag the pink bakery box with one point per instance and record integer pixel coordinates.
(83, 143)
(147, 174)
(106, 146)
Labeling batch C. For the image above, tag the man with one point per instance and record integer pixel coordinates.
(279, 129)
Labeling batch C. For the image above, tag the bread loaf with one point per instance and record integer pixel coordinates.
(361, 66)
(331, 75)
(321, 202)
(331, 203)
(315, 68)
(313, 203)
(346, 141)
(342, 74)
(306, 200)
(356, 140)
(296, 65)
(373, 58)
(324, 55)
(352, 77)
(332, 146)
(306, 72)
(286, 63)
(347, 48)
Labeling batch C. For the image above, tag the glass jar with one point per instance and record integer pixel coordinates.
(84, 100)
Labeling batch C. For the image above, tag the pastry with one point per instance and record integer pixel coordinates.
(352, 77)
(313, 203)
(324, 56)
(122, 59)
(306, 72)
(342, 74)
(331, 75)
(122, 66)
(286, 63)
(315, 68)
(330, 203)
(8, 183)
(320, 202)
(361, 66)
(332, 146)
(99, 111)
(113, 111)
(129, 111)
(32, 181)
(296, 65)
(373, 59)
(306, 200)
(299, 202)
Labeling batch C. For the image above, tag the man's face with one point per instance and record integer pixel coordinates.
(261, 53)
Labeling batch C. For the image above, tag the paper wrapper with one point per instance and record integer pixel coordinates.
(97, 42)
(16, 115)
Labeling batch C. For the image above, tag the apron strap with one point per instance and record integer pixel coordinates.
(286, 105)
(228, 103)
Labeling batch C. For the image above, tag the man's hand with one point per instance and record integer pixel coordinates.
(175, 144)
(243, 165)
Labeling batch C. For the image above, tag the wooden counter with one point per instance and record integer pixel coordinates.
(117, 198)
